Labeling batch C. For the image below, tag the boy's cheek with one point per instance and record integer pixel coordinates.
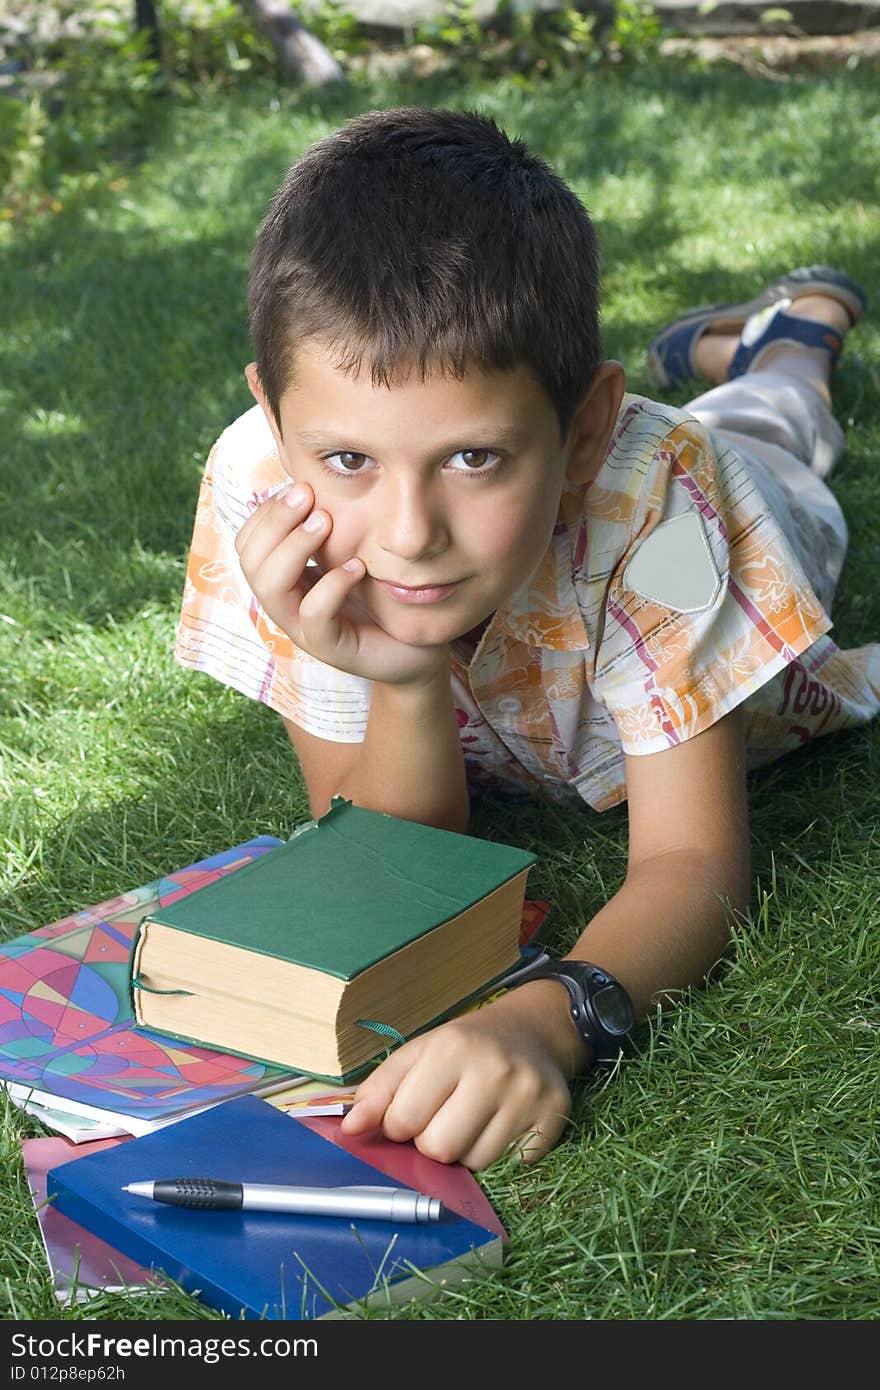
(519, 530)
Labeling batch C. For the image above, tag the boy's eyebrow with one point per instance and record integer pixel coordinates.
(505, 436)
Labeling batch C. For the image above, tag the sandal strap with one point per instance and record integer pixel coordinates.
(784, 328)
(674, 357)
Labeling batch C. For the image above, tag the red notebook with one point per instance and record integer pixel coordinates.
(81, 1264)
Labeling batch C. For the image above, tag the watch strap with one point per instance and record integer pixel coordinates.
(583, 981)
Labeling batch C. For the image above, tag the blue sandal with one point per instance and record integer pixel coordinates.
(671, 354)
(773, 325)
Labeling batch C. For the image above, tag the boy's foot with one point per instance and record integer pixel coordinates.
(808, 349)
(673, 355)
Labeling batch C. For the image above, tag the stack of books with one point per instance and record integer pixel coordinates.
(79, 1052)
(360, 928)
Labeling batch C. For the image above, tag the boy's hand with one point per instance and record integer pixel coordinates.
(469, 1088)
(318, 610)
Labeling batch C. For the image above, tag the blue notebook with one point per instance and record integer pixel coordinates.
(264, 1264)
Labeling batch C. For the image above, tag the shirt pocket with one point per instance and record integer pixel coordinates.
(674, 567)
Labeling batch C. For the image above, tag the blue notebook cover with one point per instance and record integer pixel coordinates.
(263, 1264)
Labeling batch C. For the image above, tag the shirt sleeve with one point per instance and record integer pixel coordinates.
(707, 602)
(223, 630)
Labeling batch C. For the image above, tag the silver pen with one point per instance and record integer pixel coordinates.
(373, 1203)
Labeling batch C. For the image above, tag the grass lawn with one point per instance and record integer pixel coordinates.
(729, 1170)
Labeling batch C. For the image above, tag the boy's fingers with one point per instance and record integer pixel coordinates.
(375, 1094)
(362, 1117)
(274, 563)
(417, 1109)
(295, 499)
(528, 1146)
(481, 1137)
(449, 1127)
(319, 611)
(538, 1142)
(366, 1113)
(272, 521)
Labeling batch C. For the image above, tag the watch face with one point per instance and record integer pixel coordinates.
(613, 1010)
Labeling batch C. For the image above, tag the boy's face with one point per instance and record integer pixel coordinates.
(446, 490)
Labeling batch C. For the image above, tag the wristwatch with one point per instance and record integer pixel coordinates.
(600, 1007)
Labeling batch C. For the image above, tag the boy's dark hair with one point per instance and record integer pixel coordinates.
(427, 238)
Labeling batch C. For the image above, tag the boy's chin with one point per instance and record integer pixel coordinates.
(419, 628)
(416, 634)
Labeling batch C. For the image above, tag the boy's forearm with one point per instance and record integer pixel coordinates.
(667, 925)
(662, 931)
(411, 763)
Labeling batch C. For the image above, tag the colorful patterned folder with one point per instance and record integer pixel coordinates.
(67, 1036)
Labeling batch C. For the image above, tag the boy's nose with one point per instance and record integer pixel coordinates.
(413, 525)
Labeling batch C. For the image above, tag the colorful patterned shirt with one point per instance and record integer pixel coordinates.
(673, 590)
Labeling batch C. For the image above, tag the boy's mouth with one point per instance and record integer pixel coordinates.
(417, 593)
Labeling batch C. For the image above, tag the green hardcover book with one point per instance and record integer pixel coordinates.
(360, 929)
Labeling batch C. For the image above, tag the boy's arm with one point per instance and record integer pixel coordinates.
(688, 849)
(499, 1075)
(410, 763)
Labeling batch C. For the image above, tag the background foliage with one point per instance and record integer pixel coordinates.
(82, 89)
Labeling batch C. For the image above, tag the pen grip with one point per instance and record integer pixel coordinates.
(207, 1193)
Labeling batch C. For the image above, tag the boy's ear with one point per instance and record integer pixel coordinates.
(594, 422)
(252, 377)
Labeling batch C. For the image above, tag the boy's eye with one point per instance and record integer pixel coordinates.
(346, 462)
(476, 460)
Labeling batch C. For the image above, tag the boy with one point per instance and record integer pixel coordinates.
(446, 544)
